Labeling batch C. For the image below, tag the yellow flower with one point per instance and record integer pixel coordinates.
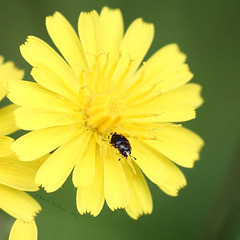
(15, 176)
(88, 105)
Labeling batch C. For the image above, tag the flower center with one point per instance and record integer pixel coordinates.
(103, 112)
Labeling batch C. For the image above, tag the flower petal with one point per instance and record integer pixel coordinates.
(35, 164)
(115, 184)
(18, 204)
(8, 72)
(165, 173)
(187, 94)
(89, 33)
(90, 199)
(67, 41)
(140, 199)
(111, 23)
(53, 82)
(55, 170)
(178, 144)
(20, 175)
(175, 106)
(166, 69)
(84, 171)
(7, 121)
(22, 230)
(40, 142)
(30, 118)
(150, 161)
(31, 94)
(175, 182)
(137, 40)
(35, 51)
(12, 159)
(134, 46)
(5, 144)
(17, 175)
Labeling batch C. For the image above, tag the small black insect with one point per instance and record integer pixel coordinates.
(121, 143)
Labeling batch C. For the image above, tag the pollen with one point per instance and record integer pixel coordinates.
(113, 108)
(103, 112)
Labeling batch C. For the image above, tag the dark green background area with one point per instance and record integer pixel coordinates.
(209, 207)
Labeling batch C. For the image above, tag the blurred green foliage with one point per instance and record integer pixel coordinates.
(208, 208)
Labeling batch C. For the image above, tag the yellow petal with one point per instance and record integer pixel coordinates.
(40, 142)
(22, 230)
(111, 34)
(187, 94)
(89, 33)
(170, 113)
(171, 78)
(167, 56)
(175, 182)
(111, 23)
(30, 118)
(31, 94)
(17, 175)
(140, 199)
(8, 72)
(91, 199)
(134, 46)
(18, 204)
(115, 184)
(84, 170)
(137, 40)
(150, 162)
(158, 168)
(55, 170)
(67, 41)
(166, 69)
(35, 51)
(7, 121)
(178, 144)
(53, 82)
(35, 164)
(175, 106)
(5, 144)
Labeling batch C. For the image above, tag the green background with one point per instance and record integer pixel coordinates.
(209, 207)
